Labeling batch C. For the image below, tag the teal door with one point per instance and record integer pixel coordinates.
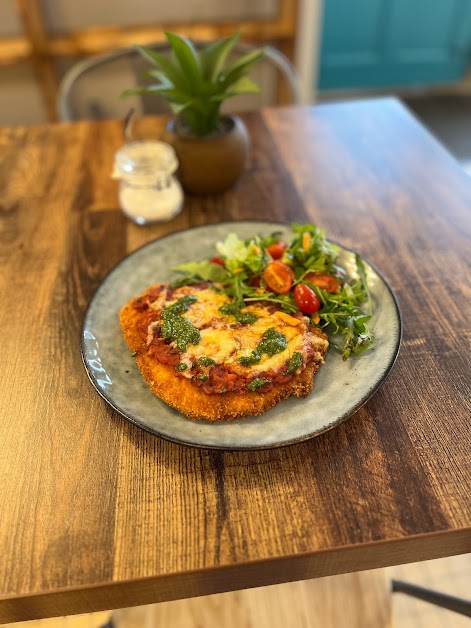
(373, 43)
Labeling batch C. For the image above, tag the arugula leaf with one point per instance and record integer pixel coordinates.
(285, 301)
(319, 256)
(363, 282)
(266, 241)
(342, 315)
(187, 280)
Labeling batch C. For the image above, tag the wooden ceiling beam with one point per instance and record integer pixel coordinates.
(100, 40)
(14, 50)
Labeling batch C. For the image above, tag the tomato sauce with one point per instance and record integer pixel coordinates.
(217, 379)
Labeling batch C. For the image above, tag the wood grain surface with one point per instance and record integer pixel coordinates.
(96, 513)
(308, 603)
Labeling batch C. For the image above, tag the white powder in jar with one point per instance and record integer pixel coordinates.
(150, 204)
(148, 191)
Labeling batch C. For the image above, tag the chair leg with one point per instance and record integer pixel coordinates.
(463, 607)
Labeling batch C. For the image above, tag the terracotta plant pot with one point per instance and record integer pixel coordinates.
(210, 164)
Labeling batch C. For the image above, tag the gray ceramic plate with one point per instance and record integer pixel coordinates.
(340, 388)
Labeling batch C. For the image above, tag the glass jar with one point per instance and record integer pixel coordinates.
(148, 190)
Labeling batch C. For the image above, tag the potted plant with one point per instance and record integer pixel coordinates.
(211, 148)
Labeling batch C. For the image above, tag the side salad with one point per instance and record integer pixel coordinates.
(298, 276)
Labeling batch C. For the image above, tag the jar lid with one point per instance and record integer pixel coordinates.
(145, 158)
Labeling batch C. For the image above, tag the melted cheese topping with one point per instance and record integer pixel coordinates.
(205, 310)
(218, 344)
(225, 340)
(251, 336)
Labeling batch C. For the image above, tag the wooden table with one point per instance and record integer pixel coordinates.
(98, 514)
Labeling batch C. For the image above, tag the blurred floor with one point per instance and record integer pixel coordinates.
(445, 111)
(358, 600)
(448, 117)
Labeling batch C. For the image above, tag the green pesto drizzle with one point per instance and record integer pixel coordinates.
(178, 328)
(272, 342)
(257, 383)
(295, 362)
(246, 318)
(182, 305)
(205, 361)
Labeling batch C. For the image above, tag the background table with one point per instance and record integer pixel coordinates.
(96, 513)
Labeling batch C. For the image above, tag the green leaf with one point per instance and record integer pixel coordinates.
(134, 91)
(178, 108)
(214, 56)
(159, 76)
(169, 94)
(363, 281)
(243, 86)
(234, 251)
(206, 270)
(172, 72)
(188, 59)
(241, 66)
(167, 90)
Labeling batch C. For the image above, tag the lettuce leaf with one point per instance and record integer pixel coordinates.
(206, 270)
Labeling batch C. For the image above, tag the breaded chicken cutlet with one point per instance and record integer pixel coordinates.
(210, 360)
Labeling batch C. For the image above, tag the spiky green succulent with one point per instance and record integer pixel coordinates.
(195, 82)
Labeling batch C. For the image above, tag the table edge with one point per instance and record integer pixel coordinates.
(224, 578)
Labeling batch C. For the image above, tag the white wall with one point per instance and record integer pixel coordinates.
(66, 15)
(9, 22)
(20, 100)
(307, 49)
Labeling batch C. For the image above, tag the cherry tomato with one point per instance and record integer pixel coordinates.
(306, 299)
(278, 277)
(324, 281)
(277, 249)
(217, 260)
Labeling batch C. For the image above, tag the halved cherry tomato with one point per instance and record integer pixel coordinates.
(278, 277)
(324, 281)
(306, 299)
(217, 260)
(277, 249)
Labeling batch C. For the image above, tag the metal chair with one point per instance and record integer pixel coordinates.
(91, 89)
(451, 603)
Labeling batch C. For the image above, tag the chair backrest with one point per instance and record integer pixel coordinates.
(91, 89)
